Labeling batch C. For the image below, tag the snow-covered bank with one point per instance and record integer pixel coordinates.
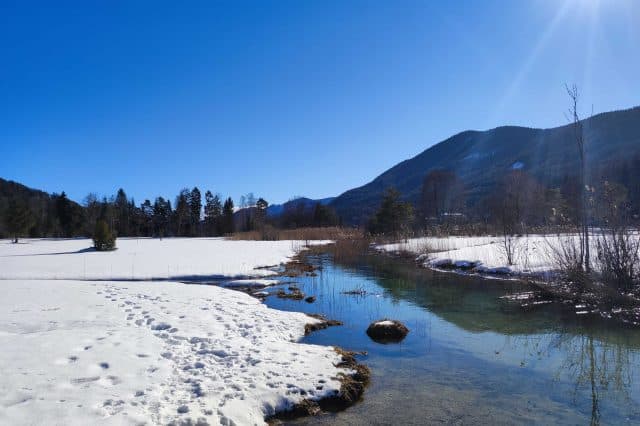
(142, 258)
(534, 254)
(77, 352)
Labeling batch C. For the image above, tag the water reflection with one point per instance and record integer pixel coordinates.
(470, 357)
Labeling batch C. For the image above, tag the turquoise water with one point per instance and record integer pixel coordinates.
(470, 358)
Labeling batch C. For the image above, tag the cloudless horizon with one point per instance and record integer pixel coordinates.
(288, 98)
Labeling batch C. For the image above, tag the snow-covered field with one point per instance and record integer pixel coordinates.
(142, 258)
(116, 352)
(533, 253)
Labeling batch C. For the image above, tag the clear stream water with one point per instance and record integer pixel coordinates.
(470, 358)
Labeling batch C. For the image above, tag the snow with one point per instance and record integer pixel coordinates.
(250, 283)
(76, 352)
(142, 258)
(534, 253)
(385, 323)
(437, 244)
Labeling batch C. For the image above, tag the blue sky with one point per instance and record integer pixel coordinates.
(287, 98)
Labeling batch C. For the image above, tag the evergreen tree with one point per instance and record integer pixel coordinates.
(324, 216)
(212, 213)
(261, 212)
(92, 209)
(107, 212)
(18, 219)
(195, 208)
(394, 216)
(161, 216)
(103, 238)
(182, 213)
(70, 215)
(146, 222)
(227, 216)
(122, 213)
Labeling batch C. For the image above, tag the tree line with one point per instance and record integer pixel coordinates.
(25, 212)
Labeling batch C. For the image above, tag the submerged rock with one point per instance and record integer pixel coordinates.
(387, 331)
(294, 294)
(310, 299)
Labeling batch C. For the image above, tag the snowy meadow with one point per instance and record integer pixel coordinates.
(85, 340)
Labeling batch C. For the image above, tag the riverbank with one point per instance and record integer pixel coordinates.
(534, 261)
(119, 348)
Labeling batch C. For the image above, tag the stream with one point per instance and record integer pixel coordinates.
(470, 357)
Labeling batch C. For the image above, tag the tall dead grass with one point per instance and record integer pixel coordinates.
(269, 233)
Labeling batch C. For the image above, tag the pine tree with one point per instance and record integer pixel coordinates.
(227, 216)
(161, 216)
(195, 208)
(122, 213)
(261, 212)
(183, 213)
(70, 215)
(19, 219)
(92, 213)
(324, 216)
(146, 213)
(394, 216)
(212, 213)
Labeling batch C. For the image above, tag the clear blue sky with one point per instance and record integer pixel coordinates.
(287, 98)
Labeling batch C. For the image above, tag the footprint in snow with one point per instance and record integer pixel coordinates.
(160, 326)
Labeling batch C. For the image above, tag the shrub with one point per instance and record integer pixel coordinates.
(567, 252)
(619, 258)
(103, 238)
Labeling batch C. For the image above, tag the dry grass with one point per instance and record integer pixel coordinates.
(350, 249)
(270, 233)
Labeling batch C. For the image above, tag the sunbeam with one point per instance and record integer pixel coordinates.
(542, 42)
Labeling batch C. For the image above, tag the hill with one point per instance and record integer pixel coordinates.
(481, 158)
(49, 215)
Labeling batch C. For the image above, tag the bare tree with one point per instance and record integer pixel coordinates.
(442, 194)
(578, 135)
(509, 207)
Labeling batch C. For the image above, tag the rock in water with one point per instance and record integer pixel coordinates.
(387, 331)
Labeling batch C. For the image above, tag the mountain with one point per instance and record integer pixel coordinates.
(277, 209)
(481, 158)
